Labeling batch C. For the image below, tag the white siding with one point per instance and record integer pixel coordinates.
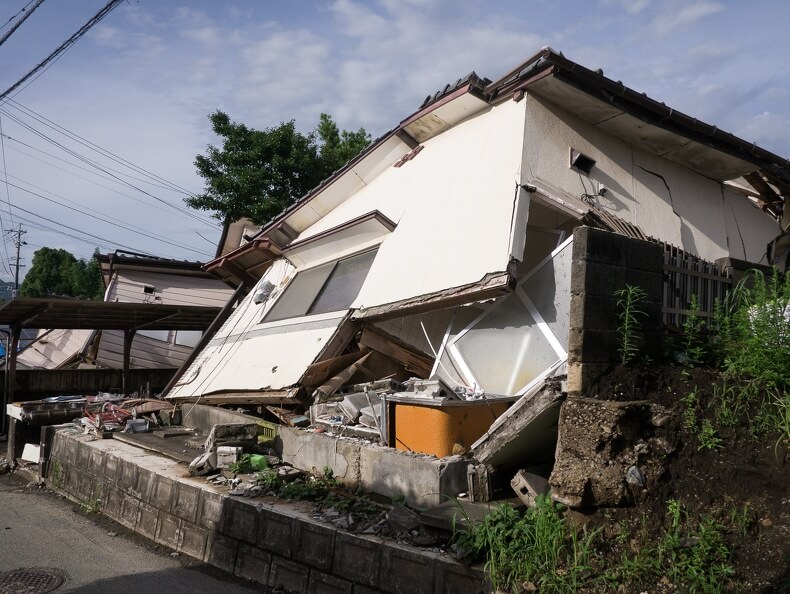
(54, 349)
(666, 200)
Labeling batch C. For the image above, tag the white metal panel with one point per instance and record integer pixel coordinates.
(258, 360)
(55, 348)
(666, 200)
(171, 289)
(748, 228)
(454, 207)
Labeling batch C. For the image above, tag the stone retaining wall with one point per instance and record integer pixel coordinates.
(261, 539)
(603, 263)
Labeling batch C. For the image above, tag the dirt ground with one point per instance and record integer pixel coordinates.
(744, 484)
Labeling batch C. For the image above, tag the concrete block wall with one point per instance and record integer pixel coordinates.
(261, 539)
(424, 481)
(604, 262)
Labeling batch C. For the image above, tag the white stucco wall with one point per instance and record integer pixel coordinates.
(453, 205)
(666, 200)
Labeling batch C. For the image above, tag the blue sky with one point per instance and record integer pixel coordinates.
(142, 82)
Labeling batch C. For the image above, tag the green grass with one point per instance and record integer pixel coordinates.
(629, 308)
(536, 549)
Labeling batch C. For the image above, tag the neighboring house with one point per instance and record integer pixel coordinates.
(445, 248)
(132, 278)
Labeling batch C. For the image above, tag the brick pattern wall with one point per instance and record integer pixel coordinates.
(260, 540)
(604, 262)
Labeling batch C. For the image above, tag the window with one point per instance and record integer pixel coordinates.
(325, 288)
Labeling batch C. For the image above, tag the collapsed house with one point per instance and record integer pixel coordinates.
(425, 287)
(131, 278)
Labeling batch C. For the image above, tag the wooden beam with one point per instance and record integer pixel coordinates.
(413, 360)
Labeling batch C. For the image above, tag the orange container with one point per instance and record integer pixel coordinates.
(434, 428)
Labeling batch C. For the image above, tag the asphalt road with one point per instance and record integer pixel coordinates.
(40, 529)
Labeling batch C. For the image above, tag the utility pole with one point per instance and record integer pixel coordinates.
(18, 243)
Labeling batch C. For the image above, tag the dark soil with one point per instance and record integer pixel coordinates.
(744, 484)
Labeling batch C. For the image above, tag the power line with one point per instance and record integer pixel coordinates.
(84, 141)
(64, 47)
(82, 177)
(18, 12)
(137, 230)
(20, 21)
(88, 161)
(8, 201)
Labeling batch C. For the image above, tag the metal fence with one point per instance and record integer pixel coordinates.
(686, 275)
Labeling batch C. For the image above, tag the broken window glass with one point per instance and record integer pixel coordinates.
(322, 289)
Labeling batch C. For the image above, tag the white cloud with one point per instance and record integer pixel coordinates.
(687, 15)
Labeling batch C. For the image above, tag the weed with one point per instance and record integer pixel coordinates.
(708, 436)
(692, 341)
(691, 401)
(629, 299)
(57, 475)
(536, 549)
(781, 404)
(91, 505)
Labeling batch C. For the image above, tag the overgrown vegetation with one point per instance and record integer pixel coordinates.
(539, 551)
(750, 342)
(536, 550)
(629, 307)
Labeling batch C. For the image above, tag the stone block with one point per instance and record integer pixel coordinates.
(58, 446)
(142, 484)
(85, 484)
(147, 520)
(193, 540)
(595, 245)
(253, 564)
(127, 476)
(314, 544)
(592, 312)
(168, 530)
(210, 510)
(360, 589)
(240, 520)
(314, 450)
(69, 454)
(581, 376)
(321, 583)
(452, 577)
(424, 481)
(95, 461)
(186, 501)
(357, 558)
(82, 456)
(645, 255)
(592, 346)
(406, 570)
(70, 479)
(161, 492)
(650, 281)
(288, 575)
(275, 532)
(222, 551)
(110, 470)
(129, 508)
(112, 502)
(592, 278)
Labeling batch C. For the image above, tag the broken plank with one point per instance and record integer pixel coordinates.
(288, 417)
(396, 349)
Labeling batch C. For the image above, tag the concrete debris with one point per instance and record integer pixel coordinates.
(204, 464)
(351, 406)
(602, 467)
(5, 467)
(528, 487)
(227, 455)
(232, 434)
(403, 519)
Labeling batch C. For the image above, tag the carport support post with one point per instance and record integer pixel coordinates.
(128, 337)
(8, 395)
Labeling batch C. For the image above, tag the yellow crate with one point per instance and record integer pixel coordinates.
(266, 431)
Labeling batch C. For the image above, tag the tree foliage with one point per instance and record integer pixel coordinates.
(56, 272)
(258, 173)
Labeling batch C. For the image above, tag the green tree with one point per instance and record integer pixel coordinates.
(58, 272)
(258, 173)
